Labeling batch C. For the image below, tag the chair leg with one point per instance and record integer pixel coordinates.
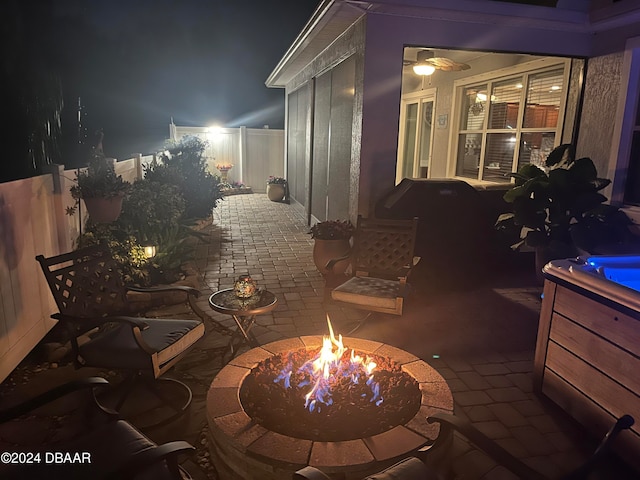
(137, 408)
(179, 408)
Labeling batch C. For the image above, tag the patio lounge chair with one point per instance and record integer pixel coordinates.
(106, 447)
(413, 468)
(382, 258)
(91, 297)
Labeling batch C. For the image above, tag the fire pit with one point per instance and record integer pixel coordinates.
(282, 406)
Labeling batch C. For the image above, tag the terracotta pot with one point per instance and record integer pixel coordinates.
(275, 192)
(104, 209)
(325, 250)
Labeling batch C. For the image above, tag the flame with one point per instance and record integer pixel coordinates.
(327, 368)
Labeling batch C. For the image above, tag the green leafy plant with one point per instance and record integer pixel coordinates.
(276, 180)
(99, 179)
(126, 251)
(552, 205)
(332, 230)
(184, 164)
(150, 209)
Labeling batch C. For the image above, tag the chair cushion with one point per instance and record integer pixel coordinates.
(117, 348)
(365, 291)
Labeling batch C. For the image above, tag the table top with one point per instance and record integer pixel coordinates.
(225, 301)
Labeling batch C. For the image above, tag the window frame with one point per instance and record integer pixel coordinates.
(524, 70)
(418, 98)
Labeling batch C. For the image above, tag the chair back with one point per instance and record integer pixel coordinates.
(85, 283)
(384, 248)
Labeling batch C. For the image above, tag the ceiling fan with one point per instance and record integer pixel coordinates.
(426, 63)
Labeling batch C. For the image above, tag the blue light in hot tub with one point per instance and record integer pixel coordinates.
(623, 270)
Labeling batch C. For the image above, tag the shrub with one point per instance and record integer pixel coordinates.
(183, 164)
(126, 251)
(150, 209)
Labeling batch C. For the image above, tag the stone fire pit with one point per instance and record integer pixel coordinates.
(242, 449)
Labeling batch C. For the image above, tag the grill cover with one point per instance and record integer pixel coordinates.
(455, 230)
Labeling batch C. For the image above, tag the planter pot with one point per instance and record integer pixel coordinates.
(104, 209)
(325, 250)
(224, 175)
(275, 192)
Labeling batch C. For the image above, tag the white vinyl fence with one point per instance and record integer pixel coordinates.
(32, 222)
(255, 153)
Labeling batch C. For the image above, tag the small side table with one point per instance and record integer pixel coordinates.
(243, 311)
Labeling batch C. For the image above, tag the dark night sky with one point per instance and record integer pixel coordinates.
(138, 63)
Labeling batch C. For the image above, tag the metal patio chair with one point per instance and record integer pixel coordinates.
(91, 297)
(382, 258)
(418, 467)
(98, 446)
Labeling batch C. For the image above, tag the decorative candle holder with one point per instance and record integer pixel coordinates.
(245, 287)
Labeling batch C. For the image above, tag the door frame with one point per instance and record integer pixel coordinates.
(428, 94)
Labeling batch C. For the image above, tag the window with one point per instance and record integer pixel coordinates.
(509, 121)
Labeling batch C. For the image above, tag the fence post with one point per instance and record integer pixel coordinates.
(242, 154)
(138, 159)
(56, 171)
(61, 224)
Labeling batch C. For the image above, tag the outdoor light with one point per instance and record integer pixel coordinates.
(213, 131)
(149, 251)
(423, 69)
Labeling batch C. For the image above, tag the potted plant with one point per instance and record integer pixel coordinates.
(224, 171)
(100, 188)
(276, 188)
(331, 241)
(559, 208)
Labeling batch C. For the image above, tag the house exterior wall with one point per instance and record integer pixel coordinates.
(602, 87)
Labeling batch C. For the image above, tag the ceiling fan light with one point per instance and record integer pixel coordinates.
(423, 69)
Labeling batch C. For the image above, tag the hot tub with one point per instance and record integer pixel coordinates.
(588, 348)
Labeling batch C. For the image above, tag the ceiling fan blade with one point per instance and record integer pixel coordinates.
(447, 65)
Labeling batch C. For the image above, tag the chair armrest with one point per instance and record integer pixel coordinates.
(137, 325)
(166, 288)
(331, 263)
(96, 321)
(49, 396)
(141, 460)
(484, 443)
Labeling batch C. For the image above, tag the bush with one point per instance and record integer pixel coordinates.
(151, 209)
(183, 164)
(126, 251)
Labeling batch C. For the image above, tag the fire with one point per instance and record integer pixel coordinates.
(329, 367)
